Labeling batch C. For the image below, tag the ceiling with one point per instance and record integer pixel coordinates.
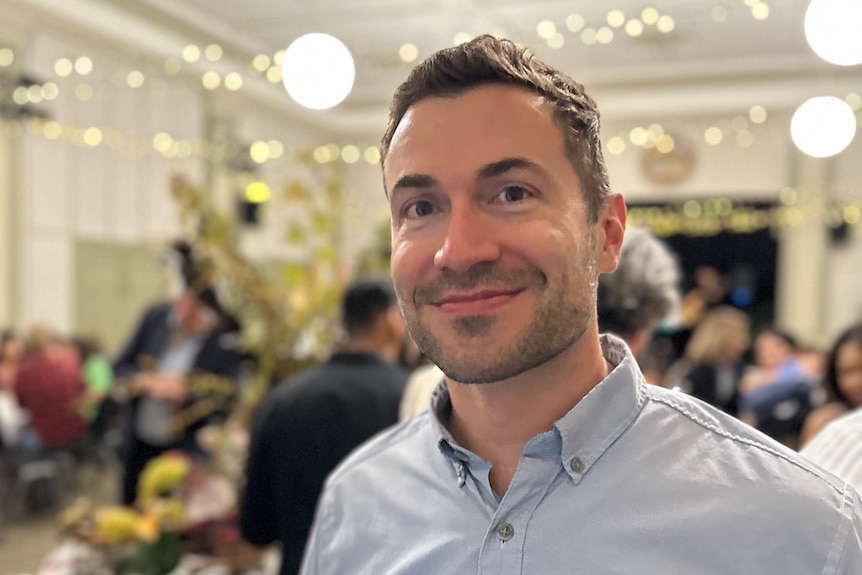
(717, 59)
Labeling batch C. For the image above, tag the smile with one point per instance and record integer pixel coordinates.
(476, 303)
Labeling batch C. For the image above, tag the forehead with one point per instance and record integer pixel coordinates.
(479, 126)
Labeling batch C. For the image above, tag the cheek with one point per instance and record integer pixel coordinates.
(407, 262)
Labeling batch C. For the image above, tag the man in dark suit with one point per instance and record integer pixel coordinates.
(181, 368)
(310, 422)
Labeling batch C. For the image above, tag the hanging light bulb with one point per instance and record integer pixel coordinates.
(317, 71)
(823, 126)
(832, 28)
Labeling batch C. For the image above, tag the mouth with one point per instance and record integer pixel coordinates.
(475, 303)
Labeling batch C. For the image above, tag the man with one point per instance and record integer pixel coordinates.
(545, 452)
(310, 422)
(181, 370)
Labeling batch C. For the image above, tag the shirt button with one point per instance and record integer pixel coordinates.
(505, 531)
(576, 464)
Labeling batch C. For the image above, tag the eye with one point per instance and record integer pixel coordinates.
(419, 209)
(513, 194)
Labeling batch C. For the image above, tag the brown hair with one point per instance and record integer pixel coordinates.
(488, 60)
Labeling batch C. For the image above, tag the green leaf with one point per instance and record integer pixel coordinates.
(156, 558)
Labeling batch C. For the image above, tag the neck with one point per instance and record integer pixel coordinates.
(496, 420)
(373, 346)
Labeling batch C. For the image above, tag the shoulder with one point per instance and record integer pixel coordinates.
(158, 310)
(723, 437)
(311, 392)
(839, 434)
(389, 449)
(820, 418)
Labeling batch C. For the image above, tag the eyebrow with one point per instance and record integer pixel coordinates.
(414, 181)
(507, 164)
(494, 169)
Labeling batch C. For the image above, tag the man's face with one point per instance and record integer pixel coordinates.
(195, 317)
(493, 261)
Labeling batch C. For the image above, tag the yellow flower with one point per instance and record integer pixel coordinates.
(115, 525)
(162, 475)
(148, 527)
(75, 513)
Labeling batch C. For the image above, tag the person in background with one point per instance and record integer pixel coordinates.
(842, 383)
(714, 359)
(837, 448)
(546, 451)
(641, 293)
(49, 387)
(11, 350)
(310, 422)
(711, 289)
(417, 392)
(180, 369)
(96, 405)
(97, 373)
(776, 392)
(11, 417)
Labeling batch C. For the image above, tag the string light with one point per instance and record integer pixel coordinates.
(716, 215)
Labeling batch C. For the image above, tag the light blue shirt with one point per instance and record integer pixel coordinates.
(152, 423)
(635, 479)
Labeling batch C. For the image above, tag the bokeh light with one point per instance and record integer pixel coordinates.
(832, 28)
(318, 71)
(823, 126)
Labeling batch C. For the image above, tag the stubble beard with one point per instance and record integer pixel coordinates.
(561, 317)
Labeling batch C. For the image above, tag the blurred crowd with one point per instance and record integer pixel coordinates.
(55, 410)
(63, 395)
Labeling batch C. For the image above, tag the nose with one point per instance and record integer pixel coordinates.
(471, 238)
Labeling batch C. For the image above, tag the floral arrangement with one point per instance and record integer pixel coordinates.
(184, 505)
(143, 539)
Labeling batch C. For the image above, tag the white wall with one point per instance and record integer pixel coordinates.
(60, 191)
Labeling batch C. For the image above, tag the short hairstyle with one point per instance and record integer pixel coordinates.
(645, 288)
(196, 274)
(853, 335)
(488, 60)
(364, 301)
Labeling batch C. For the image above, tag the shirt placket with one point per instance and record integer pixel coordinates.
(505, 540)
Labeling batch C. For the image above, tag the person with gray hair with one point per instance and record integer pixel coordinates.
(643, 292)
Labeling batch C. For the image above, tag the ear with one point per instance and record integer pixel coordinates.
(612, 227)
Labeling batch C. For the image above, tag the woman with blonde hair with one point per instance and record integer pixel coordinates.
(713, 362)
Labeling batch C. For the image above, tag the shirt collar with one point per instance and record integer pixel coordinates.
(587, 430)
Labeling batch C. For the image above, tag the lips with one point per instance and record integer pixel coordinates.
(474, 303)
